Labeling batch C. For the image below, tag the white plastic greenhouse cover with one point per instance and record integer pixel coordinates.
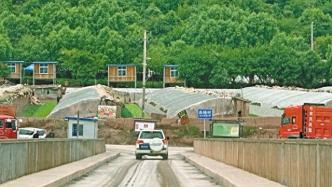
(79, 95)
(174, 100)
(280, 98)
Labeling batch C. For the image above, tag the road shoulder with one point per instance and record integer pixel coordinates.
(226, 175)
(61, 175)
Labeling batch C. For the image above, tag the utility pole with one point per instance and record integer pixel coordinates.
(312, 36)
(78, 123)
(144, 72)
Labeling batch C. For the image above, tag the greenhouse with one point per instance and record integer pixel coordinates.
(280, 98)
(86, 100)
(170, 101)
(271, 101)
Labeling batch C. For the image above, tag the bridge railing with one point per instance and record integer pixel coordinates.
(289, 162)
(23, 157)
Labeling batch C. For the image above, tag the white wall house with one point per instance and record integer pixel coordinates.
(87, 128)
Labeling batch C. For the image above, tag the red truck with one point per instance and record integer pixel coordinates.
(8, 122)
(306, 121)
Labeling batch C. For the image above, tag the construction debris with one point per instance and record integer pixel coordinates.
(34, 100)
(9, 93)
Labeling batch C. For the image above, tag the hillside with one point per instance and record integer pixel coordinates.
(217, 43)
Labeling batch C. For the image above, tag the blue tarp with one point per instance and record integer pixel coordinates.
(29, 68)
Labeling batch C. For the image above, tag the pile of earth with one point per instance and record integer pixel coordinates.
(8, 94)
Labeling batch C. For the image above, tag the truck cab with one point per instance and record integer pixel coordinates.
(8, 127)
(292, 122)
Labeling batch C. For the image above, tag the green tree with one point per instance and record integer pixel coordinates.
(322, 45)
(195, 66)
(313, 71)
(329, 64)
(82, 64)
(31, 49)
(219, 76)
(284, 60)
(260, 28)
(4, 70)
(322, 22)
(5, 48)
(159, 55)
(217, 43)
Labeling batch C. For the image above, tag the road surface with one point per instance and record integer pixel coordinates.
(151, 171)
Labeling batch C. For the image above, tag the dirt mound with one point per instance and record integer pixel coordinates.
(8, 94)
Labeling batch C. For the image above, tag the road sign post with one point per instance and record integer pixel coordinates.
(204, 114)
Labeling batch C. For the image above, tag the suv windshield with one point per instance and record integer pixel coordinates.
(151, 134)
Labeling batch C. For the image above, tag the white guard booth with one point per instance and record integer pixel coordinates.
(87, 128)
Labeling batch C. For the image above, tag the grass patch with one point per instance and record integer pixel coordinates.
(125, 113)
(132, 111)
(249, 131)
(188, 131)
(43, 110)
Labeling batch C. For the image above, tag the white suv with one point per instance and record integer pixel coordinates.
(29, 132)
(151, 143)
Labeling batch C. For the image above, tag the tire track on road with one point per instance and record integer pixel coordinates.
(168, 177)
(145, 174)
(133, 175)
(126, 171)
(121, 173)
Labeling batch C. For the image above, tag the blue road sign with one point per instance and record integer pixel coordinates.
(204, 113)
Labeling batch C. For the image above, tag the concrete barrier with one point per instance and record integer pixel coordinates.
(23, 157)
(304, 163)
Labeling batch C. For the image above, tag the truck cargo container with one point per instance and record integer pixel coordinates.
(306, 121)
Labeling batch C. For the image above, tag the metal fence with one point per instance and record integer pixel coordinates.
(22, 157)
(290, 162)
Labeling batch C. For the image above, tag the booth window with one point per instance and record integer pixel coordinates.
(78, 130)
(12, 67)
(122, 71)
(174, 72)
(43, 68)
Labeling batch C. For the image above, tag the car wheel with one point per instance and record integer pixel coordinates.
(165, 157)
(138, 157)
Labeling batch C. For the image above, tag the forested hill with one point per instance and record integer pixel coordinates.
(214, 41)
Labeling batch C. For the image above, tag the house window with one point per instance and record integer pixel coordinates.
(43, 68)
(122, 71)
(77, 129)
(12, 67)
(174, 72)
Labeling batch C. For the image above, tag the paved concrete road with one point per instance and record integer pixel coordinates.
(151, 171)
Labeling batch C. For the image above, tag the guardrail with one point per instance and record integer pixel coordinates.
(23, 157)
(289, 162)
